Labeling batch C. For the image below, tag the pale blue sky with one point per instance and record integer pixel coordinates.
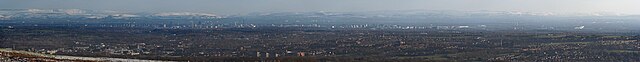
(246, 6)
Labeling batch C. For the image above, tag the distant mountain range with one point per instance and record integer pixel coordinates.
(107, 14)
(433, 13)
(97, 14)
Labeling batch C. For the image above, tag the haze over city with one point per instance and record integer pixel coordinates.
(231, 7)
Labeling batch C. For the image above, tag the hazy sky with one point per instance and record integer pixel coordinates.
(246, 6)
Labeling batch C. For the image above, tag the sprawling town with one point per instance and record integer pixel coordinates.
(205, 38)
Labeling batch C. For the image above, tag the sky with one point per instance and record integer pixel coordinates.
(248, 6)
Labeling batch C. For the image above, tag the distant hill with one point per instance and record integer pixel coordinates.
(97, 14)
